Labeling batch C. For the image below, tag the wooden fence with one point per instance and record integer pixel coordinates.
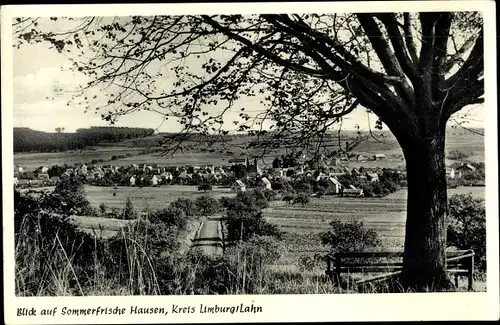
(459, 263)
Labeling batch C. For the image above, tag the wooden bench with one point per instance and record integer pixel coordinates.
(459, 263)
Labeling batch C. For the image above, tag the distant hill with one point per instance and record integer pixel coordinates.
(381, 142)
(28, 140)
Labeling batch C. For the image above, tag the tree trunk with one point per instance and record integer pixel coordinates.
(424, 263)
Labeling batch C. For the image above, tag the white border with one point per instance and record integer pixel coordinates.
(359, 307)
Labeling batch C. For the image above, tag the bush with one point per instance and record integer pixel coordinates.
(288, 198)
(467, 226)
(309, 263)
(243, 225)
(129, 211)
(171, 217)
(207, 205)
(349, 236)
(457, 155)
(102, 208)
(185, 205)
(69, 198)
(243, 213)
(205, 187)
(302, 198)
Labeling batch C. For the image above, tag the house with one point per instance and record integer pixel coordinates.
(83, 169)
(154, 180)
(210, 169)
(98, 174)
(354, 193)
(372, 177)
(450, 173)
(65, 176)
(16, 181)
(43, 177)
(266, 184)
(70, 171)
(352, 187)
(467, 167)
(355, 172)
(238, 186)
(18, 169)
(221, 171)
(378, 156)
(360, 158)
(321, 176)
(347, 171)
(334, 185)
(132, 181)
(167, 176)
(149, 168)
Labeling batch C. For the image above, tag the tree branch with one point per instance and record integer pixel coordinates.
(410, 44)
(397, 41)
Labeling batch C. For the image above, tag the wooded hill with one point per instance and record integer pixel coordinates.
(27, 140)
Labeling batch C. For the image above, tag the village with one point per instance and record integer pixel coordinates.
(240, 174)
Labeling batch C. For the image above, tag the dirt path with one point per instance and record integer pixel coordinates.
(209, 238)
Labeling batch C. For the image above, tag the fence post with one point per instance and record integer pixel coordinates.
(337, 267)
(471, 271)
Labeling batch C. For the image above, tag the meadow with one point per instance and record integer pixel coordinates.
(32, 161)
(147, 198)
(303, 225)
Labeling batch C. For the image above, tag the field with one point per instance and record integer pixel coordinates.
(102, 227)
(147, 197)
(32, 161)
(302, 225)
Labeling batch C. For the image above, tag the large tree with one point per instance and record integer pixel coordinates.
(412, 70)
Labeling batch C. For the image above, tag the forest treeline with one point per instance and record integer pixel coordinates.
(28, 140)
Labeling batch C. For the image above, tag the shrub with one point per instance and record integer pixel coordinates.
(102, 208)
(349, 236)
(68, 198)
(269, 195)
(467, 226)
(207, 205)
(205, 187)
(302, 198)
(186, 205)
(288, 198)
(129, 211)
(243, 225)
(244, 218)
(457, 155)
(171, 217)
(308, 262)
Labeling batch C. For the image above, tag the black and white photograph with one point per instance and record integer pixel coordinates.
(288, 152)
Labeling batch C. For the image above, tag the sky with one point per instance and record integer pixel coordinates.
(39, 70)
